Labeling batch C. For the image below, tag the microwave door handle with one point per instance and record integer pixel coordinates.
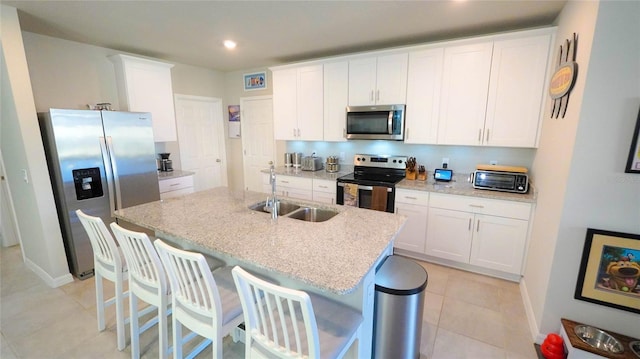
(390, 123)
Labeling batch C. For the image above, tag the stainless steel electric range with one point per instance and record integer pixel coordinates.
(372, 183)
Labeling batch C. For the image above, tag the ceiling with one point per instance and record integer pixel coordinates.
(272, 32)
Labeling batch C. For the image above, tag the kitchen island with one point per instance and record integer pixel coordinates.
(336, 258)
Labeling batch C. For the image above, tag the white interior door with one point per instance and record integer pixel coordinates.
(8, 220)
(201, 138)
(258, 148)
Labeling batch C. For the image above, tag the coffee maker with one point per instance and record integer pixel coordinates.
(165, 164)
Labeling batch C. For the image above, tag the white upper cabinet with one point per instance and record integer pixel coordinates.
(516, 91)
(145, 86)
(380, 80)
(298, 103)
(423, 96)
(336, 95)
(492, 92)
(465, 81)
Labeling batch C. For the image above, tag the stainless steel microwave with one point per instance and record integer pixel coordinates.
(375, 122)
(501, 181)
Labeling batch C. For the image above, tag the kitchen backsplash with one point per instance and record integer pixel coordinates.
(462, 159)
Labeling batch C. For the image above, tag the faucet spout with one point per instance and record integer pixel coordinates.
(272, 203)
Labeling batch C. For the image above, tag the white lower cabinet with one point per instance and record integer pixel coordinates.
(295, 187)
(414, 205)
(174, 187)
(482, 232)
(324, 191)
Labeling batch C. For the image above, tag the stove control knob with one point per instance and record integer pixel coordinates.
(399, 161)
(394, 161)
(364, 159)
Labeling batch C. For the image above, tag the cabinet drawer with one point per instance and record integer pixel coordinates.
(412, 197)
(172, 184)
(509, 209)
(294, 182)
(176, 193)
(324, 186)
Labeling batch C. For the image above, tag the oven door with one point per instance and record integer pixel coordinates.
(381, 198)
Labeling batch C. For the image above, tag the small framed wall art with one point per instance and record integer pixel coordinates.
(633, 162)
(255, 81)
(610, 270)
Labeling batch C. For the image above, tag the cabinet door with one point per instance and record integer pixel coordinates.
(285, 104)
(362, 82)
(423, 96)
(324, 197)
(310, 103)
(336, 96)
(499, 243)
(449, 234)
(414, 233)
(465, 82)
(391, 79)
(516, 91)
(149, 90)
(296, 193)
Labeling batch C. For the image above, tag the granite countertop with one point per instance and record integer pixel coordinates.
(174, 174)
(321, 174)
(459, 187)
(332, 256)
(464, 188)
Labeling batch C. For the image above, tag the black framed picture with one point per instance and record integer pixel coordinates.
(610, 270)
(633, 163)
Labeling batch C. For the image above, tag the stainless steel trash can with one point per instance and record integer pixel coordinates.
(399, 302)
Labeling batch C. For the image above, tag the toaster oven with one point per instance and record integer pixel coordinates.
(501, 181)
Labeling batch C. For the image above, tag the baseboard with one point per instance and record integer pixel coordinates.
(538, 338)
(49, 280)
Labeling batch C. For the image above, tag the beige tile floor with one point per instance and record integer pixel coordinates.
(465, 316)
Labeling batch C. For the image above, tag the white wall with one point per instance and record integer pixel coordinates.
(22, 150)
(580, 165)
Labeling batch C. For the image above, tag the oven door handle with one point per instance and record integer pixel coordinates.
(366, 188)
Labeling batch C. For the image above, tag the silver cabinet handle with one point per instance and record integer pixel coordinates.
(478, 226)
(469, 227)
(371, 96)
(283, 181)
(476, 206)
(377, 95)
(487, 139)
(408, 197)
(321, 186)
(218, 160)
(480, 135)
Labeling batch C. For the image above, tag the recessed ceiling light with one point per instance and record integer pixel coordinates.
(229, 44)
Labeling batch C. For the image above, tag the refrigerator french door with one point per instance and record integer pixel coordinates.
(99, 161)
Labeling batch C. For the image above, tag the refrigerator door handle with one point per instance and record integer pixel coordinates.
(114, 167)
(107, 169)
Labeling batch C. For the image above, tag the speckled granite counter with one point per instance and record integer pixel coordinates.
(333, 256)
(173, 174)
(465, 188)
(321, 174)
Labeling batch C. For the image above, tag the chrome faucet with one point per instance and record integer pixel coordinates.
(272, 201)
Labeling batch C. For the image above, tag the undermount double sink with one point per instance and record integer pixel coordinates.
(292, 210)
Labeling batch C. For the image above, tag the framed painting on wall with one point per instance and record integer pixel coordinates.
(610, 270)
(255, 81)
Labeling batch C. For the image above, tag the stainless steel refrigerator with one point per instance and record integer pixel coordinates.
(99, 161)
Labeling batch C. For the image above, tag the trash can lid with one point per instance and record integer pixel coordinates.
(401, 276)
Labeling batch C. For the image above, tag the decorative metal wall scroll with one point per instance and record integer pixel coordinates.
(564, 78)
